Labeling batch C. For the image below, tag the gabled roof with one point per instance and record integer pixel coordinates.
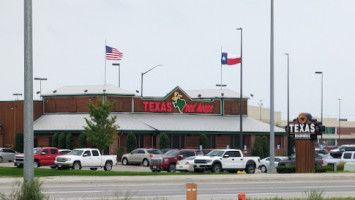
(157, 122)
(213, 93)
(88, 90)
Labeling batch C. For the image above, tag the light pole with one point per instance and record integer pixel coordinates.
(119, 73)
(241, 88)
(143, 75)
(260, 107)
(321, 104)
(272, 120)
(288, 88)
(17, 94)
(339, 120)
(40, 84)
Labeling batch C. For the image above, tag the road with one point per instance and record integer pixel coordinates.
(224, 186)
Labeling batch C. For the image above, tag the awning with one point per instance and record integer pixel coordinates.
(157, 122)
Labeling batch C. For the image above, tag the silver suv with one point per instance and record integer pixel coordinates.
(139, 156)
(7, 154)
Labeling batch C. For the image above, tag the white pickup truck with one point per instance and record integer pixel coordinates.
(230, 160)
(90, 158)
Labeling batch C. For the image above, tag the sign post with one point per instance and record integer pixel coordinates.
(305, 130)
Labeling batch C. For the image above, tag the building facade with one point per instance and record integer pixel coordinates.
(182, 114)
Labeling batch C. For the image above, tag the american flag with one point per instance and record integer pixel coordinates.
(113, 54)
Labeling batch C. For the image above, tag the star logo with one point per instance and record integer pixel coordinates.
(224, 58)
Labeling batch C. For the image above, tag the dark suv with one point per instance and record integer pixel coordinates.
(168, 161)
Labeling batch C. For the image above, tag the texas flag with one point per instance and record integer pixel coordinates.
(229, 59)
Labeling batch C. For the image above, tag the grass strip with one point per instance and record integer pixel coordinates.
(38, 172)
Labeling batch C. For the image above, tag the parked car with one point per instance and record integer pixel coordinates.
(163, 151)
(86, 157)
(42, 156)
(291, 161)
(321, 151)
(167, 162)
(265, 163)
(7, 155)
(329, 160)
(186, 164)
(140, 156)
(64, 151)
(230, 160)
(338, 152)
(348, 156)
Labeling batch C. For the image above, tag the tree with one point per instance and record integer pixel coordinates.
(131, 142)
(61, 141)
(203, 140)
(101, 127)
(258, 147)
(69, 141)
(82, 141)
(290, 145)
(55, 140)
(164, 141)
(19, 142)
(266, 146)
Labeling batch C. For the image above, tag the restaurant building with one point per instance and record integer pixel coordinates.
(182, 114)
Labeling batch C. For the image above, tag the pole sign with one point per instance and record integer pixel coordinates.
(304, 127)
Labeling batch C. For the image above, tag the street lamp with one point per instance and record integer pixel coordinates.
(288, 88)
(40, 84)
(241, 88)
(119, 73)
(143, 75)
(339, 121)
(17, 94)
(321, 115)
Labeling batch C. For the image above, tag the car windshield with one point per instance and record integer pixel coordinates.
(215, 153)
(171, 153)
(36, 151)
(75, 152)
(154, 151)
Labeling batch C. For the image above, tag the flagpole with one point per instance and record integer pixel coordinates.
(105, 63)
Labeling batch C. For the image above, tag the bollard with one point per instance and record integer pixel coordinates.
(191, 191)
(241, 196)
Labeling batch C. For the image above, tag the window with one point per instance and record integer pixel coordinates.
(212, 141)
(329, 130)
(354, 156)
(347, 155)
(233, 153)
(177, 141)
(135, 151)
(235, 141)
(45, 152)
(11, 151)
(87, 153)
(154, 151)
(95, 153)
(140, 151)
(54, 151)
(140, 141)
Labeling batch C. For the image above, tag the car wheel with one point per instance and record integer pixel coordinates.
(216, 168)
(124, 161)
(35, 164)
(76, 165)
(250, 169)
(172, 168)
(145, 163)
(108, 166)
(54, 167)
(93, 169)
(263, 169)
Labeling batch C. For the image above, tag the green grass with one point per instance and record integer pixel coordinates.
(18, 172)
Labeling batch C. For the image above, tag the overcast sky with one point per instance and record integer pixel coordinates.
(186, 37)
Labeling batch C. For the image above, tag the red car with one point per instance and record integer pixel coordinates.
(168, 161)
(43, 156)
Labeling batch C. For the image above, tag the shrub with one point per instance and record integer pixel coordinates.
(340, 166)
(290, 144)
(55, 140)
(286, 169)
(23, 191)
(203, 140)
(120, 152)
(19, 142)
(82, 141)
(131, 142)
(322, 169)
(266, 146)
(61, 141)
(258, 147)
(164, 141)
(69, 141)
